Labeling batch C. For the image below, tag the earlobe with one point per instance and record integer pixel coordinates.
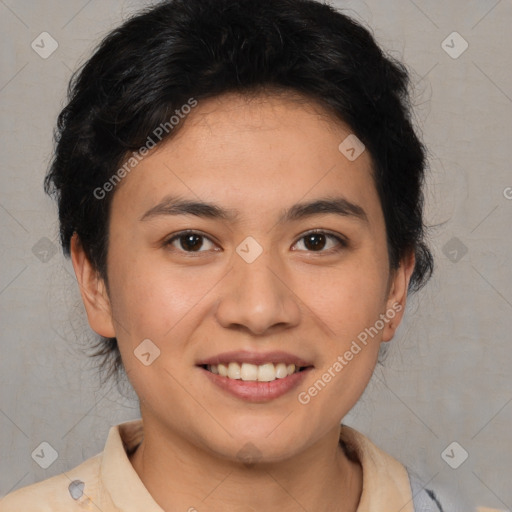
(397, 296)
(93, 291)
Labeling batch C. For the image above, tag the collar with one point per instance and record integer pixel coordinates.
(120, 479)
(385, 480)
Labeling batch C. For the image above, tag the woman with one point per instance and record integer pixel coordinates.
(240, 192)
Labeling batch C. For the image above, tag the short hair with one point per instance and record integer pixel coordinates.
(155, 62)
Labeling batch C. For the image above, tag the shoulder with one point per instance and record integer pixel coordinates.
(63, 492)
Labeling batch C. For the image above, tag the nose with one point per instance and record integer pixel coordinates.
(258, 297)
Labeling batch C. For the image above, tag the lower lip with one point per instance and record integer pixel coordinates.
(254, 391)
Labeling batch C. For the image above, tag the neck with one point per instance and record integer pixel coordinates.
(181, 476)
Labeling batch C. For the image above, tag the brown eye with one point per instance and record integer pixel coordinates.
(315, 241)
(190, 242)
(320, 241)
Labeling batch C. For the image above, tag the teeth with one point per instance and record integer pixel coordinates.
(250, 372)
(234, 371)
(282, 371)
(223, 370)
(266, 373)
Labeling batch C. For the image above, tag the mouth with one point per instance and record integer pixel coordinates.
(255, 377)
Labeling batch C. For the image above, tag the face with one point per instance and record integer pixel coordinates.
(247, 244)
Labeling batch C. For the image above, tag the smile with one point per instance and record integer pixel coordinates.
(267, 372)
(255, 376)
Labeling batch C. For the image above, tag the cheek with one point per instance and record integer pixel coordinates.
(149, 303)
(151, 299)
(348, 305)
(350, 298)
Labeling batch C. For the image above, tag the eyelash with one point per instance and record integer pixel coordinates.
(342, 242)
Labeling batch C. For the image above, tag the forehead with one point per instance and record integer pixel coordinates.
(252, 153)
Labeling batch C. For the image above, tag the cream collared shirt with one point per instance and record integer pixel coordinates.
(107, 482)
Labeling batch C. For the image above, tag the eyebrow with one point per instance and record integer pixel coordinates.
(173, 205)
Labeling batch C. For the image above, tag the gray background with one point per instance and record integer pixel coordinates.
(446, 377)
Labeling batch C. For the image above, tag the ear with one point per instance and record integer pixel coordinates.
(93, 291)
(397, 295)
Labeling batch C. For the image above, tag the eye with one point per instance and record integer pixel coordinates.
(190, 242)
(314, 241)
(317, 241)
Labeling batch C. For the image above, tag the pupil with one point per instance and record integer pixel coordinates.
(191, 242)
(315, 241)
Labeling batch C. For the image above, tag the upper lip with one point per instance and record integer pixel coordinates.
(256, 358)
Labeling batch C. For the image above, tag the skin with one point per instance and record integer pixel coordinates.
(259, 157)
